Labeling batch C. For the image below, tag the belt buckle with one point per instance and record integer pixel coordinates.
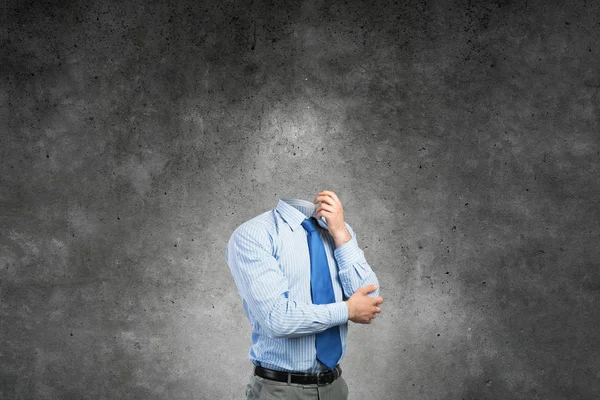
(318, 380)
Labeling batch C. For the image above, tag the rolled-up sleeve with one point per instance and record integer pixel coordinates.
(353, 269)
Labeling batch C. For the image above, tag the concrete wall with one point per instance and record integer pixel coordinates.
(462, 138)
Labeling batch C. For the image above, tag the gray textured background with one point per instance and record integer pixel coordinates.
(462, 138)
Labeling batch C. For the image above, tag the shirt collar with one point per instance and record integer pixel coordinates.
(294, 211)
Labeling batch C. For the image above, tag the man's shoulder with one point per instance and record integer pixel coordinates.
(263, 223)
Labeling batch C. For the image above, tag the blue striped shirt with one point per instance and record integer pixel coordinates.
(270, 262)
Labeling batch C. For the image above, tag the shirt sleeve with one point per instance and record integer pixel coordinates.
(353, 269)
(264, 287)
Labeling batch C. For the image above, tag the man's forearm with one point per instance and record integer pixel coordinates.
(341, 238)
(292, 319)
(354, 270)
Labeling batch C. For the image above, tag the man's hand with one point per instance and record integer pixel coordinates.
(331, 209)
(362, 308)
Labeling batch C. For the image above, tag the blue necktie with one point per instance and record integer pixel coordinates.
(329, 342)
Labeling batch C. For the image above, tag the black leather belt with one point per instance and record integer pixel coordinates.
(321, 378)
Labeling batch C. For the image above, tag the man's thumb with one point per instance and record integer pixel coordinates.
(368, 289)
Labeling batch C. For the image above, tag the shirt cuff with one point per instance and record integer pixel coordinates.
(348, 253)
(338, 313)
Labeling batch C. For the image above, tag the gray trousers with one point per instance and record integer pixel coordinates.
(259, 388)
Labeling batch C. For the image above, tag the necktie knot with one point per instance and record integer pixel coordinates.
(310, 224)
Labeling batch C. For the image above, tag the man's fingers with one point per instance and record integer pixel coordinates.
(324, 200)
(377, 301)
(368, 289)
(330, 194)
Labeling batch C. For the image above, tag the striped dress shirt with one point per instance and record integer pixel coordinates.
(270, 262)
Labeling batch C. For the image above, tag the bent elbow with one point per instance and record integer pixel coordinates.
(277, 332)
(276, 327)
